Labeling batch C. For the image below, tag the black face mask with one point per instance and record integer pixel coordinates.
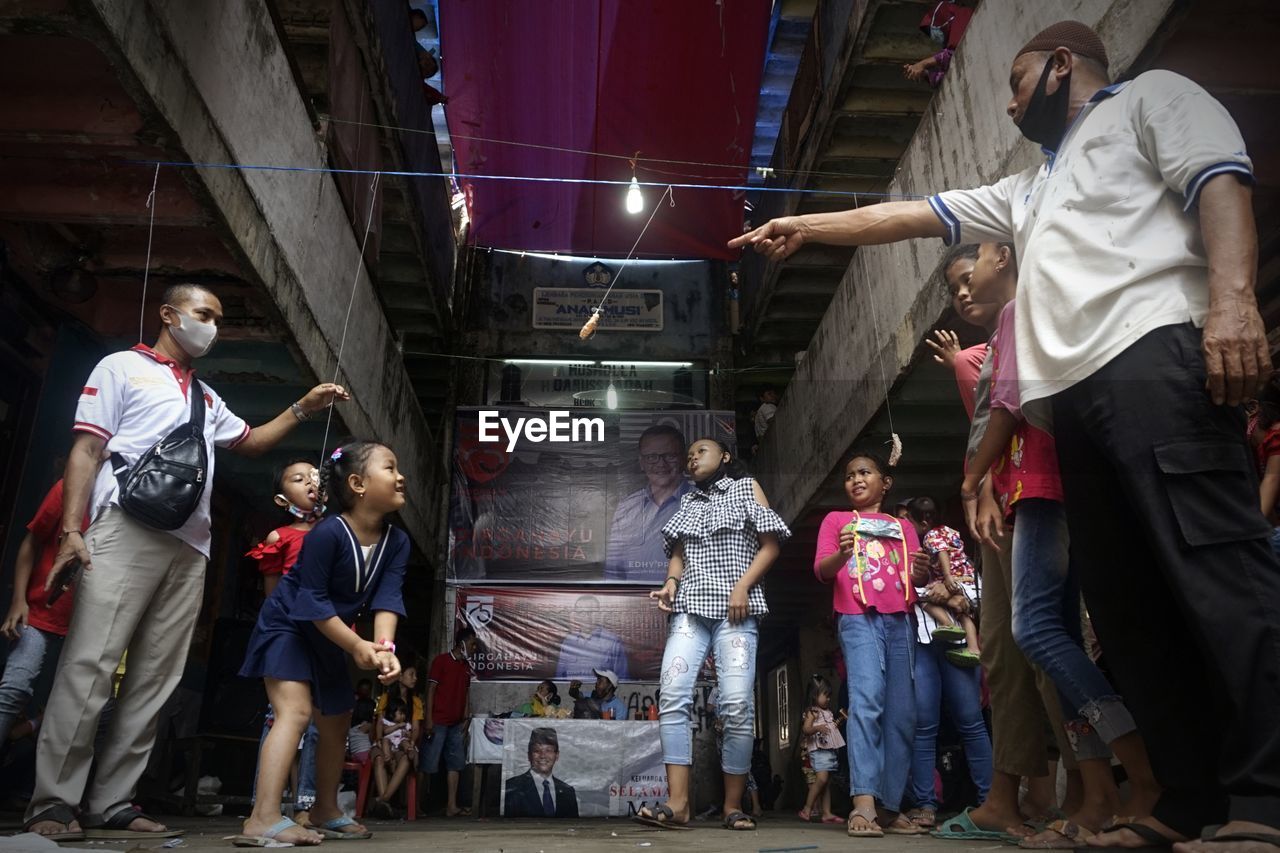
(706, 484)
(1045, 119)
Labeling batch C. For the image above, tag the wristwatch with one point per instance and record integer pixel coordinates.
(65, 533)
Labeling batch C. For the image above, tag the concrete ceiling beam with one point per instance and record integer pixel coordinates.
(893, 102)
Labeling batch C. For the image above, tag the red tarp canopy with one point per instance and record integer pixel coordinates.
(670, 79)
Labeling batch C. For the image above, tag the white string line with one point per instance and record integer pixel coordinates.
(634, 246)
(146, 268)
(342, 342)
(640, 161)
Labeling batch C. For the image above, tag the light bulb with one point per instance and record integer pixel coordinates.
(635, 201)
(611, 397)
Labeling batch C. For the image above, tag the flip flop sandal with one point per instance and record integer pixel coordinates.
(732, 819)
(962, 828)
(910, 829)
(660, 816)
(255, 841)
(833, 819)
(918, 817)
(963, 658)
(948, 633)
(804, 816)
(270, 838)
(332, 830)
(57, 814)
(873, 829)
(1071, 836)
(1155, 841)
(117, 827)
(1272, 838)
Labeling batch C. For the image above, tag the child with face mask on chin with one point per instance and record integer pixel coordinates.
(297, 487)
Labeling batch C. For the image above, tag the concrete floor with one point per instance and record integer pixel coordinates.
(776, 833)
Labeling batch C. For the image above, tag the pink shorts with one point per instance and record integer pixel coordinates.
(361, 758)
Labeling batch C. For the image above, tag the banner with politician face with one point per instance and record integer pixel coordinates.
(580, 768)
(563, 633)
(525, 507)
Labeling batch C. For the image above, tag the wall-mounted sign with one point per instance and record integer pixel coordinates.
(568, 308)
(638, 385)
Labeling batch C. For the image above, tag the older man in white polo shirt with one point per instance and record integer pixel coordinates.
(142, 587)
(1138, 334)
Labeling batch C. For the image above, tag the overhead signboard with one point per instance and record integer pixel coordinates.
(561, 384)
(568, 308)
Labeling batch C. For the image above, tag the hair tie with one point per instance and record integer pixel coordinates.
(336, 455)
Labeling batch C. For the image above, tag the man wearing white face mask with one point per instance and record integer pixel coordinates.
(141, 587)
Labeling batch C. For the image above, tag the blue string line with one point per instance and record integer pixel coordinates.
(462, 176)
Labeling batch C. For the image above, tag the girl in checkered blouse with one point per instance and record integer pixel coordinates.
(720, 545)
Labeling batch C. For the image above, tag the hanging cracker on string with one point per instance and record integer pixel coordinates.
(895, 450)
(589, 327)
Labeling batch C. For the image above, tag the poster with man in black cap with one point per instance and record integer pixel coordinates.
(537, 792)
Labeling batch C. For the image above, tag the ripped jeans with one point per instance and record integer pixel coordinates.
(1046, 626)
(689, 637)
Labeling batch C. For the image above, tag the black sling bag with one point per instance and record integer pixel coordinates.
(164, 487)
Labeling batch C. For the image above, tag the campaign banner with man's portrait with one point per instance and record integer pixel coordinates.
(581, 768)
(528, 509)
(563, 633)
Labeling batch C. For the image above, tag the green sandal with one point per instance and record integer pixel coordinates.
(963, 658)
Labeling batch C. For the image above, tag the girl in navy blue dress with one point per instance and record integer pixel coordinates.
(352, 564)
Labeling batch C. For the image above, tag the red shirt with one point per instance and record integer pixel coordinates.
(1029, 466)
(278, 557)
(452, 678)
(1268, 447)
(44, 528)
(967, 366)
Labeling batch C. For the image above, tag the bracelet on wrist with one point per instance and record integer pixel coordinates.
(389, 643)
(672, 578)
(968, 497)
(299, 412)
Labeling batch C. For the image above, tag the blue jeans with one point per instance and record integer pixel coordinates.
(878, 652)
(1046, 626)
(688, 639)
(305, 797)
(446, 741)
(35, 651)
(940, 682)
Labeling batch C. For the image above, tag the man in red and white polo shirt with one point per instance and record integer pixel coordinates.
(141, 588)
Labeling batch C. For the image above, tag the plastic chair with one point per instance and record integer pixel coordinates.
(362, 793)
(363, 772)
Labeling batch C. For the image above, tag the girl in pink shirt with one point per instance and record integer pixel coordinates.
(865, 554)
